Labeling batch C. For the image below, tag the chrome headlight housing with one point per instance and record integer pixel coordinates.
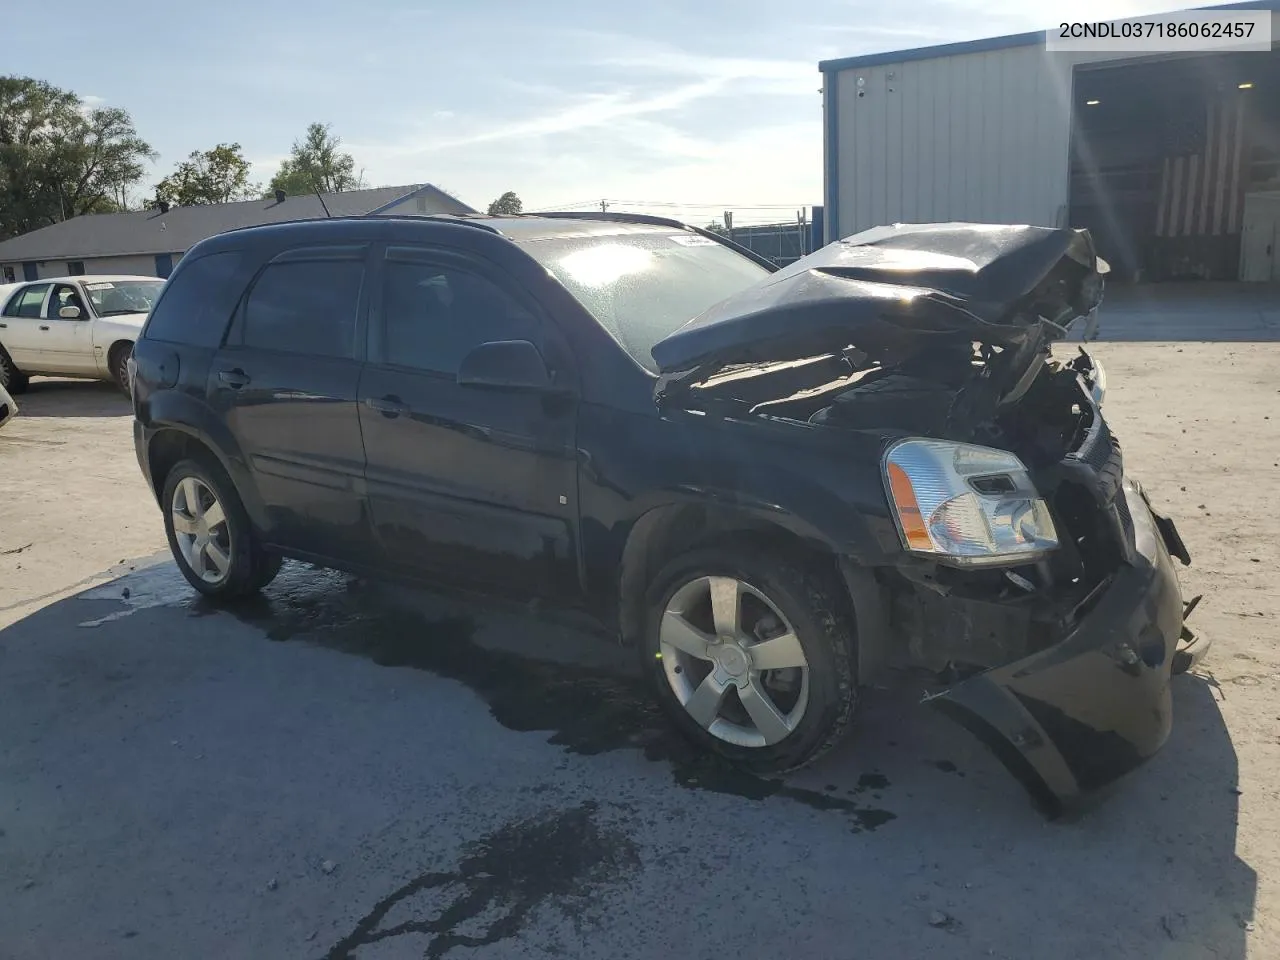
(1097, 381)
(966, 505)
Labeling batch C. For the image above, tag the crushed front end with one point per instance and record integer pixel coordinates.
(1061, 665)
(1034, 578)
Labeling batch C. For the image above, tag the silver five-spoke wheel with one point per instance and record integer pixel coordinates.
(734, 661)
(200, 527)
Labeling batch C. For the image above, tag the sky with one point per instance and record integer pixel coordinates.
(684, 108)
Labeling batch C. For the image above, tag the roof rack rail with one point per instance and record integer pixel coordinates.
(461, 219)
(657, 222)
(618, 217)
(437, 217)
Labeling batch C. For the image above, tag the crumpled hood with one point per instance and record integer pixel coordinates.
(881, 290)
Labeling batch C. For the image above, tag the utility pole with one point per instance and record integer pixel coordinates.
(604, 206)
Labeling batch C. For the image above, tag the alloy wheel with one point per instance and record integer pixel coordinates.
(734, 662)
(200, 528)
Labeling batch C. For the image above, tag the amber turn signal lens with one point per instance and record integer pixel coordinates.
(904, 499)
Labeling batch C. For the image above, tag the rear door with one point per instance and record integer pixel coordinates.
(286, 381)
(20, 327)
(473, 484)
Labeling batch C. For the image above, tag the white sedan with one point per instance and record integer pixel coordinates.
(72, 326)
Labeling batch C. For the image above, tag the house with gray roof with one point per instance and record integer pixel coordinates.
(150, 242)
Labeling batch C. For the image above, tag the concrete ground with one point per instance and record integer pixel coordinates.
(353, 770)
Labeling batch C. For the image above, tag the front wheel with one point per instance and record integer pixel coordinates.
(210, 534)
(751, 655)
(119, 365)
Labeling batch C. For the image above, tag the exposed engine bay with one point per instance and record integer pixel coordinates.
(973, 618)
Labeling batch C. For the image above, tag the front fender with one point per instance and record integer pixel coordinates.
(107, 332)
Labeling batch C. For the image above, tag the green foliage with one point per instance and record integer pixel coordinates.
(59, 158)
(508, 203)
(316, 163)
(219, 175)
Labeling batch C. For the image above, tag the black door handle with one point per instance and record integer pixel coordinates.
(235, 379)
(391, 406)
(43, 327)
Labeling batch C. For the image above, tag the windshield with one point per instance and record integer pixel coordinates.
(643, 286)
(115, 297)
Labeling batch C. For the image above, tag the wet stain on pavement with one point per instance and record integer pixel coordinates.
(565, 856)
(587, 711)
(873, 781)
(946, 766)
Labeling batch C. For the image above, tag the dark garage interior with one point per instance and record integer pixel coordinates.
(1175, 165)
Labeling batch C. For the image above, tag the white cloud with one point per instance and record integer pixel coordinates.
(90, 102)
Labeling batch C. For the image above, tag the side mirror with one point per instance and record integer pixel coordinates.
(506, 365)
(69, 313)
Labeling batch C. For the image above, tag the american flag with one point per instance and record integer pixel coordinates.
(1201, 188)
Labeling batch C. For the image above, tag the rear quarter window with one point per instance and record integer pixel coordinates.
(198, 301)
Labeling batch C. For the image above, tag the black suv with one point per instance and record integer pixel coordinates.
(775, 485)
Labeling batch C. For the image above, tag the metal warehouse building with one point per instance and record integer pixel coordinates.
(1171, 160)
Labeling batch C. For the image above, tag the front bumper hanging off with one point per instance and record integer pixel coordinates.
(1089, 709)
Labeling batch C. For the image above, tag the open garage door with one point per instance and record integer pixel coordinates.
(1165, 154)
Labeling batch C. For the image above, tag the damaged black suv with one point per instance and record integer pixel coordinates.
(775, 485)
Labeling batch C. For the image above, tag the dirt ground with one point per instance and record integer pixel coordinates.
(145, 855)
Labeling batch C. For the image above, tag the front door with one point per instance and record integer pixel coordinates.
(471, 484)
(286, 382)
(20, 327)
(68, 343)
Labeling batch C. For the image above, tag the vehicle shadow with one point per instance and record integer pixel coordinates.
(59, 397)
(958, 863)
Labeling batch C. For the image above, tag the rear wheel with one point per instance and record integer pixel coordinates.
(11, 378)
(210, 534)
(751, 656)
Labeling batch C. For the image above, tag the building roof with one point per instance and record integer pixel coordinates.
(1036, 37)
(151, 232)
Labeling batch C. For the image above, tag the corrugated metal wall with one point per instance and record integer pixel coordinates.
(976, 136)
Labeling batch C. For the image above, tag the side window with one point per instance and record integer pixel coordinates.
(65, 296)
(26, 302)
(434, 314)
(305, 306)
(198, 300)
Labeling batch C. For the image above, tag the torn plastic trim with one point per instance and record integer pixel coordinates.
(1082, 713)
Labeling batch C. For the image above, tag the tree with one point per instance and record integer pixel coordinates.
(506, 204)
(219, 175)
(316, 163)
(60, 159)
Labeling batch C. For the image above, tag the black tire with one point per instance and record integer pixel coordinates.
(11, 378)
(250, 568)
(813, 603)
(118, 363)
